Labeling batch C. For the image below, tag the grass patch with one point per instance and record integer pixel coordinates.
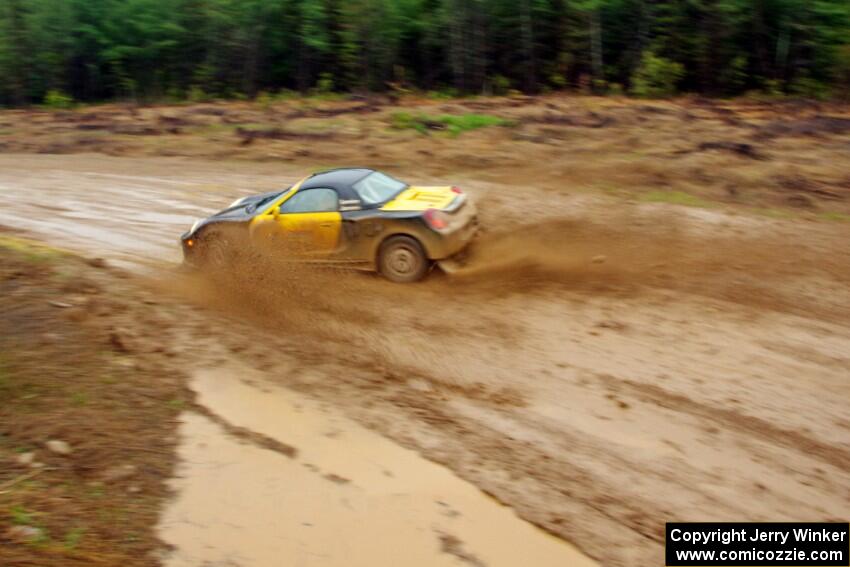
(221, 128)
(774, 213)
(674, 198)
(73, 537)
(454, 124)
(834, 216)
(20, 516)
(79, 399)
(29, 250)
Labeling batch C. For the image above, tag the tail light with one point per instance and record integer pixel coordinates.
(456, 190)
(436, 219)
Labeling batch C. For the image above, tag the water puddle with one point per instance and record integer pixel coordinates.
(278, 479)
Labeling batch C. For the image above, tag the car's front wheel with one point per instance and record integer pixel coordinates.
(216, 252)
(402, 259)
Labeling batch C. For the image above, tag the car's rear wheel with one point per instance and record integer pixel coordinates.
(402, 259)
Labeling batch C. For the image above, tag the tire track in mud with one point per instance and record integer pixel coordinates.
(792, 439)
(580, 505)
(246, 434)
(518, 475)
(588, 504)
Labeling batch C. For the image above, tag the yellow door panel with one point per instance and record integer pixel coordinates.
(311, 233)
(298, 233)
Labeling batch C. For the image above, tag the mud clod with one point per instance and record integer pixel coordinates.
(24, 534)
(59, 447)
(453, 546)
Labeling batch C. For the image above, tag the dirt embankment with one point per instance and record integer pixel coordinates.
(780, 157)
(90, 387)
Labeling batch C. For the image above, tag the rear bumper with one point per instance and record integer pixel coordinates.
(442, 245)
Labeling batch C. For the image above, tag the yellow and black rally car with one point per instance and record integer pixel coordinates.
(349, 216)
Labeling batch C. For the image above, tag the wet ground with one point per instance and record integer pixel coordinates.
(602, 367)
(325, 492)
(116, 206)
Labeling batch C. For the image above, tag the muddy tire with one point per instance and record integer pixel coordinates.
(402, 260)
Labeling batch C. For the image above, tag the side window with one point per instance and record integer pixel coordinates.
(312, 201)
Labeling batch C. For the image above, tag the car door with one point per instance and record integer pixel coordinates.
(306, 223)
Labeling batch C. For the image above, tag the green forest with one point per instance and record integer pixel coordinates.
(56, 51)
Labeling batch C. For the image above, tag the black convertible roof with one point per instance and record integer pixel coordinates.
(339, 179)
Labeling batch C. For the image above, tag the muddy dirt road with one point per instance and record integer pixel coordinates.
(328, 495)
(601, 367)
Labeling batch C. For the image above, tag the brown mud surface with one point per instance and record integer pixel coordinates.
(605, 363)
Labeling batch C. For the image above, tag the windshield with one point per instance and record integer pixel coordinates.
(256, 205)
(378, 187)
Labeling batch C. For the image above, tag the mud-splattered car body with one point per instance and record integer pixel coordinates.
(354, 216)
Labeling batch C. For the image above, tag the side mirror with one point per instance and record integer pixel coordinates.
(276, 213)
